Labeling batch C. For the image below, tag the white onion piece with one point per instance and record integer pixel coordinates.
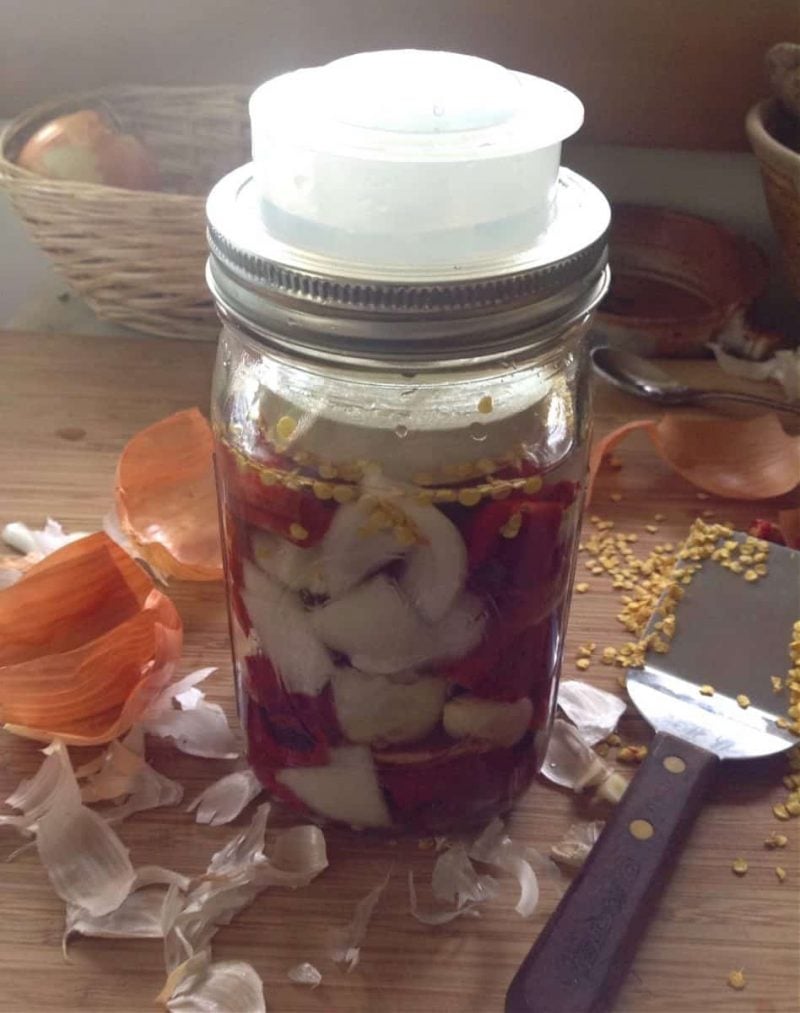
(350, 552)
(225, 799)
(436, 917)
(574, 847)
(435, 571)
(593, 711)
(227, 986)
(291, 565)
(347, 946)
(494, 847)
(375, 621)
(461, 629)
(372, 708)
(287, 634)
(454, 878)
(571, 763)
(499, 722)
(304, 974)
(346, 789)
(42, 541)
(380, 631)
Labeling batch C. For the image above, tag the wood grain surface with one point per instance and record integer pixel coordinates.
(67, 406)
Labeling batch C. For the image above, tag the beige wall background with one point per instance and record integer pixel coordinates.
(670, 73)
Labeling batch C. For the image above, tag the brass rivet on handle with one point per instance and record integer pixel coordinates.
(674, 764)
(642, 830)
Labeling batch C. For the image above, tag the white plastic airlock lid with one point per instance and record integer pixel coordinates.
(409, 157)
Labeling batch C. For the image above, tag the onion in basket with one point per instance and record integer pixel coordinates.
(86, 147)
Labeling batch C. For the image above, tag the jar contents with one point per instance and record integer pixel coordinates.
(396, 641)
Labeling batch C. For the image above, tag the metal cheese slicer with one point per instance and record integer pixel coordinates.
(732, 635)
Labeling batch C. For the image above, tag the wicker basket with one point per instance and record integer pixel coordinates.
(136, 257)
(768, 127)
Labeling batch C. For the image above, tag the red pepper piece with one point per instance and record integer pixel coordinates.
(523, 579)
(766, 530)
(509, 664)
(274, 507)
(286, 729)
(467, 789)
(525, 556)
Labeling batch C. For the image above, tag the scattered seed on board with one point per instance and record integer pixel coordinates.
(739, 866)
(780, 872)
(706, 690)
(736, 979)
(776, 840)
(485, 405)
(743, 700)
(582, 664)
(582, 587)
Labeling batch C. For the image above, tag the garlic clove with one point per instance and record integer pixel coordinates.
(495, 721)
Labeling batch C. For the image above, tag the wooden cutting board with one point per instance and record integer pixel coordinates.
(67, 406)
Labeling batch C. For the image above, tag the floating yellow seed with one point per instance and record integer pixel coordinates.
(707, 690)
(736, 979)
(532, 485)
(582, 664)
(740, 866)
(298, 532)
(511, 527)
(780, 872)
(582, 587)
(285, 426)
(323, 490)
(469, 497)
(485, 405)
(743, 700)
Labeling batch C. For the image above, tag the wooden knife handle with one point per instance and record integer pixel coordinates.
(583, 953)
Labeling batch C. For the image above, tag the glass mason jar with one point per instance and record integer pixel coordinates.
(401, 460)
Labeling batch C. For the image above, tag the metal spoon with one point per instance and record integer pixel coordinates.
(643, 378)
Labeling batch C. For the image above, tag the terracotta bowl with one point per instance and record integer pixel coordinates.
(676, 280)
